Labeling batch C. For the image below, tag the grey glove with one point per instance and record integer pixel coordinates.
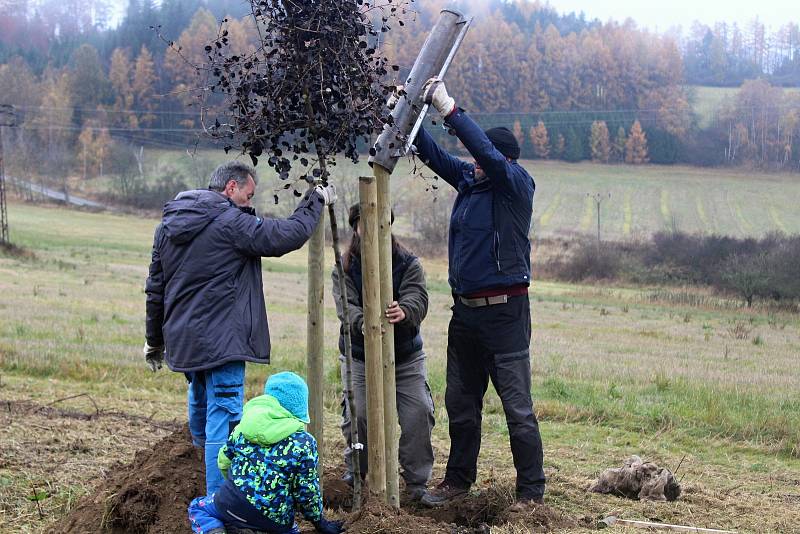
(327, 192)
(435, 93)
(154, 356)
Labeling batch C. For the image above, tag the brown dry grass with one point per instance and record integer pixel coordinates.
(615, 373)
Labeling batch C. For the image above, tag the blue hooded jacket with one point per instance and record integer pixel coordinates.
(205, 298)
(489, 246)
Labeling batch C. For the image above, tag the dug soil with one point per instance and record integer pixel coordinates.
(151, 495)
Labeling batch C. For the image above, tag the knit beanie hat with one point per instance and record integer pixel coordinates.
(504, 141)
(291, 392)
(355, 214)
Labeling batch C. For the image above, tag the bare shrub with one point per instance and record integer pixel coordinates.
(740, 330)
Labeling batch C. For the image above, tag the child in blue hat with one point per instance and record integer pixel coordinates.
(270, 466)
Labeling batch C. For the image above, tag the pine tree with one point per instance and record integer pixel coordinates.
(540, 141)
(89, 85)
(618, 147)
(636, 145)
(599, 142)
(558, 147)
(574, 147)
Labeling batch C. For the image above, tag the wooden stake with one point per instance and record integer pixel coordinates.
(315, 335)
(387, 296)
(348, 362)
(376, 440)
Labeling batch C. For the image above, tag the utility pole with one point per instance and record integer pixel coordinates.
(7, 118)
(598, 200)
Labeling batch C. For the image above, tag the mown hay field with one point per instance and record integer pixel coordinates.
(645, 199)
(677, 376)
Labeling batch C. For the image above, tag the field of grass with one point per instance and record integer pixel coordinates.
(644, 199)
(668, 375)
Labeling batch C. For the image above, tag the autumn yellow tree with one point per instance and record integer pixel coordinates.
(183, 60)
(636, 145)
(120, 74)
(519, 135)
(599, 142)
(143, 87)
(540, 140)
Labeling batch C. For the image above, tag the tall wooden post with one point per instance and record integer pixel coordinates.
(355, 441)
(6, 119)
(376, 440)
(315, 336)
(387, 296)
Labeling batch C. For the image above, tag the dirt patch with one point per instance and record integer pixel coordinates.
(148, 496)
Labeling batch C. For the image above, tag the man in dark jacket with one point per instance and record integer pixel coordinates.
(205, 301)
(489, 274)
(414, 402)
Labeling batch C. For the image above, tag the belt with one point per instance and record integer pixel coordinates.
(479, 302)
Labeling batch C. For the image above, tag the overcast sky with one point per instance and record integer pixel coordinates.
(664, 14)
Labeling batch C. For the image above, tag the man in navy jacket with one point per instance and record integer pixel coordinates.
(489, 274)
(205, 298)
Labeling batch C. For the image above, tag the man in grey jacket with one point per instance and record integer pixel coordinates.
(205, 302)
(414, 402)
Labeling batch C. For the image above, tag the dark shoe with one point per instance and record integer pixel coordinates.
(525, 504)
(415, 493)
(442, 494)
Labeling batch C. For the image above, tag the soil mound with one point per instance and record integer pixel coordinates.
(148, 496)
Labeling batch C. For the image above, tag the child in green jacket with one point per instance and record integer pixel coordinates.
(270, 466)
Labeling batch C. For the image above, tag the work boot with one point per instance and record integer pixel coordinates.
(415, 493)
(442, 494)
(525, 504)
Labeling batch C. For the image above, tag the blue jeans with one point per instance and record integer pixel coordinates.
(216, 398)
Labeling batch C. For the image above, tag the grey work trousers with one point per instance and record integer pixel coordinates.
(414, 411)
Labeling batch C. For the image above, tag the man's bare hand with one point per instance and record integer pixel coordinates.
(395, 313)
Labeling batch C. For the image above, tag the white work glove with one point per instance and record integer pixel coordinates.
(394, 98)
(327, 192)
(154, 356)
(434, 92)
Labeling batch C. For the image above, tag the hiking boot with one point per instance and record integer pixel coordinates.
(415, 493)
(525, 504)
(442, 494)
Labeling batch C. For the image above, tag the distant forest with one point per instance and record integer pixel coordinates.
(571, 88)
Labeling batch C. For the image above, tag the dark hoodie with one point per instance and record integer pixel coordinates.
(205, 298)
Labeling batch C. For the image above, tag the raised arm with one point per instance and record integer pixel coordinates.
(255, 236)
(448, 167)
